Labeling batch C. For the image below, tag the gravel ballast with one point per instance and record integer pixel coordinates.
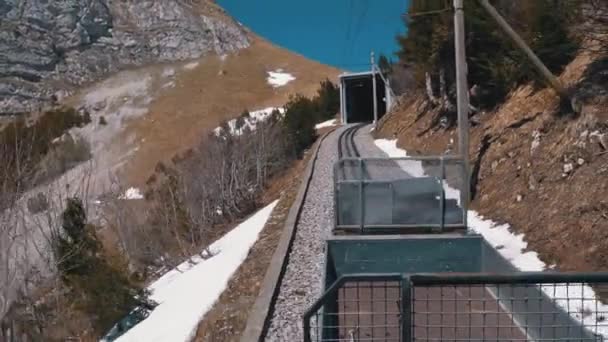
(302, 282)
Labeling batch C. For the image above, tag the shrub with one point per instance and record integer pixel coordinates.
(300, 119)
(102, 121)
(23, 145)
(66, 153)
(37, 204)
(327, 101)
(99, 287)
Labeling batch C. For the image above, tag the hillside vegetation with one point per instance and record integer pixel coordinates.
(536, 165)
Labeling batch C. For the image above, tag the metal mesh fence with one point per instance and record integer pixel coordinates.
(360, 311)
(462, 307)
(399, 193)
(506, 312)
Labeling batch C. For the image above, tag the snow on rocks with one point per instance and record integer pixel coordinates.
(602, 139)
(567, 168)
(186, 293)
(302, 282)
(279, 78)
(169, 72)
(132, 194)
(327, 123)
(535, 141)
(514, 248)
(249, 122)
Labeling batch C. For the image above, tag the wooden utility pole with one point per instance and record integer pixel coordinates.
(538, 64)
(374, 86)
(462, 94)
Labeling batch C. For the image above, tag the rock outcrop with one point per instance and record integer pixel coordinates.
(49, 47)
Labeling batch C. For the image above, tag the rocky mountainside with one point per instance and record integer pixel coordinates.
(49, 47)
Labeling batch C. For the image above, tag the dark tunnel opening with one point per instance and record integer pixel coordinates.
(359, 100)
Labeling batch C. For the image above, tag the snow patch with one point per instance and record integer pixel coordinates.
(278, 78)
(169, 72)
(250, 122)
(535, 141)
(170, 84)
(186, 293)
(327, 123)
(132, 194)
(513, 248)
(191, 66)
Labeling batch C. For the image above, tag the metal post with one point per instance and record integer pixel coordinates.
(361, 196)
(462, 94)
(544, 71)
(342, 109)
(442, 195)
(406, 309)
(375, 98)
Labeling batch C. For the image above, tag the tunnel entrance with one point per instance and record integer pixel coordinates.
(356, 97)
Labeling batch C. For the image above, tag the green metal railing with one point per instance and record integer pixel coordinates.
(460, 307)
(374, 195)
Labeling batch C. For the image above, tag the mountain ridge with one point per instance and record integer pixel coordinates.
(47, 49)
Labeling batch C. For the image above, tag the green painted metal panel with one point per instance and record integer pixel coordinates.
(348, 204)
(417, 201)
(414, 255)
(378, 203)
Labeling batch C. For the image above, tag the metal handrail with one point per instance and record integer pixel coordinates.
(362, 181)
(410, 281)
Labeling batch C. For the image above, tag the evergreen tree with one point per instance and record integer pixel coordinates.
(495, 64)
(100, 288)
(76, 249)
(327, 100)
(385, 65)
(300, 118)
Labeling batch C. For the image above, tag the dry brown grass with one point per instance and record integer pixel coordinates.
(215, 91)
(564, 218)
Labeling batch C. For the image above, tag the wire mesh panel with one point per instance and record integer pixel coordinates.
(367, 310)
(399, 193)
(506, 309)
(461, 307)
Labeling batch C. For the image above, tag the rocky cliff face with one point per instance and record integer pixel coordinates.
(49, 47)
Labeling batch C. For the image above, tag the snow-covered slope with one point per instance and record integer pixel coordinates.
(186, 293)
(513, 247)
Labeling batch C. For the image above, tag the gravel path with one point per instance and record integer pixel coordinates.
(302, 282)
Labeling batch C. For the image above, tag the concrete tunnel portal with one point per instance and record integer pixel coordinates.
(356, 96)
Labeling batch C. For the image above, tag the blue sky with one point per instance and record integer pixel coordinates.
(337, 32)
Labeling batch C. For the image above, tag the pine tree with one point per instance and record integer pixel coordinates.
(385, 65)
(76, 250)
(300, 117)
(99, 287)
(327, 100)
(495, 64)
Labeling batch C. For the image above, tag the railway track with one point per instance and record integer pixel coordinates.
(347, 148)
(368, 308)
(294, 279)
